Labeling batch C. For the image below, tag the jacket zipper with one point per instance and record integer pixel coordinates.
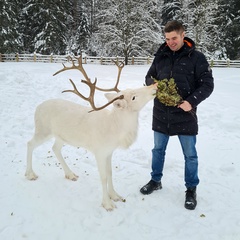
(171, 75)
(168, 125)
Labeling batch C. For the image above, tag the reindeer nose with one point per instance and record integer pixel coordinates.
(154, 87)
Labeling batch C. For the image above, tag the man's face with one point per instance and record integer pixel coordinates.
(175, 40)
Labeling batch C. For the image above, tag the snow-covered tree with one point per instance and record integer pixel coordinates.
(126, 28)
(117, 28)
(26, 28)
(199, 19)
(46, 25)
(229, 27)
(9, 35)
(78, 32)
(172, 10)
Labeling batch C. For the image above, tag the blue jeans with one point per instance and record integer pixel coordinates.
(190, 156)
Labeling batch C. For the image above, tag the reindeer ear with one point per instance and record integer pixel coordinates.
(110, 96)
(120, 103)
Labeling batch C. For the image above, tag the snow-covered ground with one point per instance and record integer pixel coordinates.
(54, 208)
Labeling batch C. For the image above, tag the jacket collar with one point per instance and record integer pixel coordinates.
(188, 47)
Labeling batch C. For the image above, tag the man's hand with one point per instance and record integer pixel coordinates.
(185, 106)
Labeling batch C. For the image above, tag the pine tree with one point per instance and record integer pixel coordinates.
(9, 36)
(45, 26)
(79, 29)
(231, 28)
(172, 10)
(26, 28)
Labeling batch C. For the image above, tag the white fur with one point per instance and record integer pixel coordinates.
(100, 132)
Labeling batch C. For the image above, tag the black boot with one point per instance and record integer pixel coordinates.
(191, 199)
(150, 187)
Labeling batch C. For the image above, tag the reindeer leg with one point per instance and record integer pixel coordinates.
(39, 138)
(112, 193)
(102, 168)
(30, 174)
(57, 150)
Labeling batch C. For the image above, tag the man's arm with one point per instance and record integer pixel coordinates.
(205, 84)
(151, 73)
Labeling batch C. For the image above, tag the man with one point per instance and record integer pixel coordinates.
(177, 58)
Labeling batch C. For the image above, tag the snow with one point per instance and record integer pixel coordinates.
(54, 208)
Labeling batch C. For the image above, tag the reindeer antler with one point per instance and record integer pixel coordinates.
(74, 66)
(120, 66)
(90, 99)
(91, 85)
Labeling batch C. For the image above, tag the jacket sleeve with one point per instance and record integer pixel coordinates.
(204, 82)
(151, 73)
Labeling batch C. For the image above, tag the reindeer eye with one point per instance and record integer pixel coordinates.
(133, 98)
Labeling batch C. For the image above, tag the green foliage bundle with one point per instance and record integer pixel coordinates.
(167, 92)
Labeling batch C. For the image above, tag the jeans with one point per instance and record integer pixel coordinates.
(188, 143)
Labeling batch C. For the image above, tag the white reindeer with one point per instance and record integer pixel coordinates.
(100, 132)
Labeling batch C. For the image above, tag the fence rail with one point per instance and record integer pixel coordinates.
(99, 60)
(66, 58)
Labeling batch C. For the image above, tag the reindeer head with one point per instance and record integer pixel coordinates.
(133, 99)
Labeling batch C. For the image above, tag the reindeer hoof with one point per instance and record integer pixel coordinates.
(109, 206)
(115, 197)
(72, 176)
(31, 175)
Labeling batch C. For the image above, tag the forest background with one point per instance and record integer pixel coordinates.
(123, 28)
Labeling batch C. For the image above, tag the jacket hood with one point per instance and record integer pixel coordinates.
(189, 45)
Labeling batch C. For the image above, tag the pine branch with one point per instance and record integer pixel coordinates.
(167, 92)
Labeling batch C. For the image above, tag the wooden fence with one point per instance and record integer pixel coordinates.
(66, 58)
(99, 60)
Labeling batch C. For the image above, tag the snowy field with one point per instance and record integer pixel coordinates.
(54, 208)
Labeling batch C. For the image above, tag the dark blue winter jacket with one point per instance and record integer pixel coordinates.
(194, 81)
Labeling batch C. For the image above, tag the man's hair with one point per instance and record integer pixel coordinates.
(173, 26)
